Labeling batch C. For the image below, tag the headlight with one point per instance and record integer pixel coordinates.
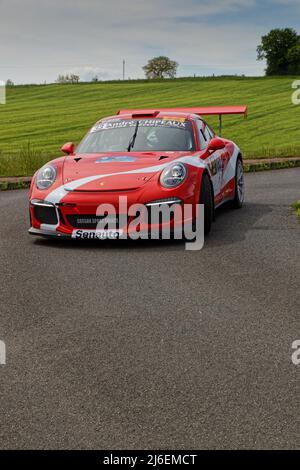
(46, 177)
(173, 175)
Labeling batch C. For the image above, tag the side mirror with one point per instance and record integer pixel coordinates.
(215, 144)
(68, 148)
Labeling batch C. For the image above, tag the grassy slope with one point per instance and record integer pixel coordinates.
(48, 116)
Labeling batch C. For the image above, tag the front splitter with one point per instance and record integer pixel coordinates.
(48, 233)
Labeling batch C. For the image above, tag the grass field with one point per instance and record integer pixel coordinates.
(37, 120)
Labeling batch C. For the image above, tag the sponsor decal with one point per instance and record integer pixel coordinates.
(124, 123)
(213, 168)
(219, 165)
(97, 234)
(96, 220)
(119, 159)
(216, 166)
(169, 118)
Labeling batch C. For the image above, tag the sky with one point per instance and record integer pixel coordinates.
(40, 39)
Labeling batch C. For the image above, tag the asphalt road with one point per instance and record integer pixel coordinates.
(146, 345)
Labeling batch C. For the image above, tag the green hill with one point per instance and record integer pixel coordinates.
(37, 120)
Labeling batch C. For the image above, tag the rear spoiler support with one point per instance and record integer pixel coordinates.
(236, 110)
(200, 111)
(220, 125)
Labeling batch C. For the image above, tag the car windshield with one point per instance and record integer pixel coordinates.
(144, 135)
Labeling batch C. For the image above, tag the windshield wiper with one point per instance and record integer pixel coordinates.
(132, 140)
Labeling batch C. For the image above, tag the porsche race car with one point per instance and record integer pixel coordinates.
(146, 157)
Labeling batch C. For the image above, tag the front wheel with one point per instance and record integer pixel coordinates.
(206, 198)
(239, 185)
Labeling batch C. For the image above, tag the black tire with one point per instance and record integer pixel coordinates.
(239, 185)
(206, 198)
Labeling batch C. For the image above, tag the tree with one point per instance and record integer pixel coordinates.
(63, 79)
(275, 47)
(294, 59)
(160, 67)
(9, 82)
(74, 78)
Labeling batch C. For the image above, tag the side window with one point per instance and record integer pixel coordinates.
(212, 134)
(207, 134)
(202, 138)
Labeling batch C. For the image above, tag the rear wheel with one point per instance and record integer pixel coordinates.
(206, 198)
(239, 185)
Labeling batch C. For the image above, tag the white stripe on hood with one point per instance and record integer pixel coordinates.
(58, 194)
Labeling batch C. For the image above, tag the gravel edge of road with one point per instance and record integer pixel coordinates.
(250, 166)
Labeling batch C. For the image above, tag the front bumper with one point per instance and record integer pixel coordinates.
(78, 210)
(67, 226)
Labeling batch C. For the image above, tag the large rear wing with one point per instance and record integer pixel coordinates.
(201, 111)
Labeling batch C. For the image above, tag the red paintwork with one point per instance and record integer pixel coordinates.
(143, 184)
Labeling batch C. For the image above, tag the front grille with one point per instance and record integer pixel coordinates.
(46, 215)
(90, 222)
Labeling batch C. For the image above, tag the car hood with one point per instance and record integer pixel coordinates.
(115, 171)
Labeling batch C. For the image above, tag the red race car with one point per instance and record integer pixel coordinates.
(149, 158)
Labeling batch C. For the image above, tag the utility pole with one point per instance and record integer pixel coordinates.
(123, 69)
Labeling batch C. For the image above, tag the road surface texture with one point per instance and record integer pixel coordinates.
(146, 345)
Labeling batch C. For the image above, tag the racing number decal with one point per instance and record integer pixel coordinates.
(215, 167)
